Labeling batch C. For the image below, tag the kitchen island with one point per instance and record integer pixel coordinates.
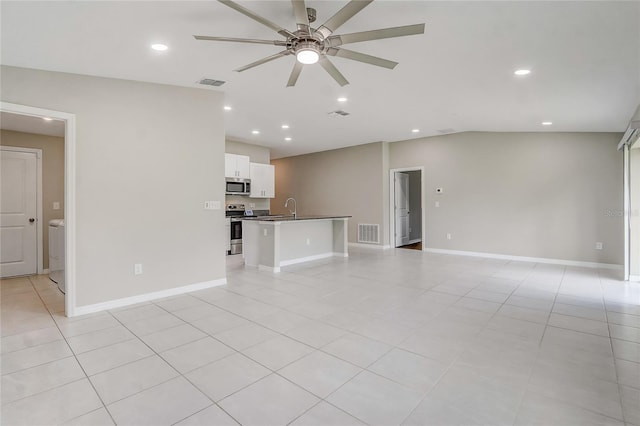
(270, 243)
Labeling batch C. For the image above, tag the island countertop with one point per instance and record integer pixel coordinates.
(291, 218)
(271, 242)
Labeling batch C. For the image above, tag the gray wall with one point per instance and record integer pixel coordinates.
(634, 216)
(523, 194)
(415, 199)
(346, 181)
(52, 176)
(148, 156)
(257, 154)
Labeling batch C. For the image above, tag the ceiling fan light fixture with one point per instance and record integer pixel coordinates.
(307, 53)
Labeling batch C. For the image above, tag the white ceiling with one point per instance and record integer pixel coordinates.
(584, 59)
(29, 124)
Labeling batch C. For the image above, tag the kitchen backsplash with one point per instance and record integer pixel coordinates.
(250, 203)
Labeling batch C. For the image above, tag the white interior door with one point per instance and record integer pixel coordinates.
(402, 208)
(18, 213)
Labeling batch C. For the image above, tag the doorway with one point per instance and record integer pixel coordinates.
(406, 212)
(67, 203)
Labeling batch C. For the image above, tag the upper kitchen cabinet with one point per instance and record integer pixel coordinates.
(262, 181)
(236, 166)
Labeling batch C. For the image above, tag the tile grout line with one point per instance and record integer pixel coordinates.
(80, 365)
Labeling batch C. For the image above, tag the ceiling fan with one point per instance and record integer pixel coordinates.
(311, 45)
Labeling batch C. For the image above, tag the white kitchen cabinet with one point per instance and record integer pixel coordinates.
(263, 183)
(236, 166)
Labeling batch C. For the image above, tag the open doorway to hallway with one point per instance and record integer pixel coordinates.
(32, 135)
(407, 218)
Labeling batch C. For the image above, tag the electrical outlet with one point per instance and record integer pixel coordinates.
(308, 241)
(265, 231)
(56, 205)
(448, 236)
(137, 269)
(437, 203)
(598, 246)
(252, 205)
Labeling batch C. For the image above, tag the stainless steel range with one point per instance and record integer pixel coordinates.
(236, 212)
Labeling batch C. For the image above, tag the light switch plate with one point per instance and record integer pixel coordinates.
(212, 205)
(56, 205)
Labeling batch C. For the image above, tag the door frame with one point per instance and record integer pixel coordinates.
(69, 191)
(39, 215)
(392, 198)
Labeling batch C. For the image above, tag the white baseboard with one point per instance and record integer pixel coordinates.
(44, 272)
(118, 303)
(525, 258)
(370, 246)
(634, 278)
(300, 260)
(305, 259)
(268, 268)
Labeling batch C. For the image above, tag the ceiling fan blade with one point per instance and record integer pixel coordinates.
(333, 71)
(295, 73)
(302, 19)
(362, 57)
(342, 16)
(406, 30)
(256, 17)
(264, 60)
(241, 40)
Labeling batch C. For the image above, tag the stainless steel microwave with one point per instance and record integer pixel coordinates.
(238, 186)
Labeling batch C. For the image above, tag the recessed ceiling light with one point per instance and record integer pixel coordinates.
(227, 108)
(255, 132)
(287, 139)
(47, 118)
(522, 72)
(342, 99)
(159, 47)
(415, 130)
(547, 123)
(285, 126)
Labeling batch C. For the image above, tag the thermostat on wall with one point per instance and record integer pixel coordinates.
(439, 190)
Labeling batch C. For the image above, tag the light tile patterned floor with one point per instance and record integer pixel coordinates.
(380, 338)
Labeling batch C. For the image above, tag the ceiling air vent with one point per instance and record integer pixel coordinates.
(338, 113)
(211, 82)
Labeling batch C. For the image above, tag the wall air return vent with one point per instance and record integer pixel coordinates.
(338, 113)
(211, 82)
(368, 233)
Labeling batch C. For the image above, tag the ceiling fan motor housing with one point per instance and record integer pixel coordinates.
(311, 14)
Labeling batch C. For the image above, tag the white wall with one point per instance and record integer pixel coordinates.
(522, 194)
(148, 156)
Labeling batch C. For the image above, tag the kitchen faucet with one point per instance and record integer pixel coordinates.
(295, 206)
